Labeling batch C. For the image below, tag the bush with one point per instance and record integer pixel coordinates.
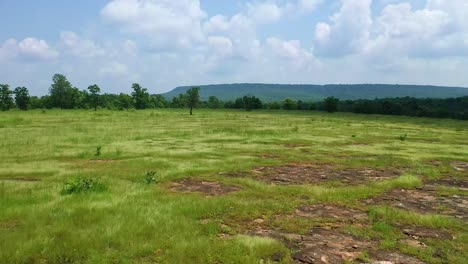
(98, 151)
(150, 177)
(82, 185)
(403, 137)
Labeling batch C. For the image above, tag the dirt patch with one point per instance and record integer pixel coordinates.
(208, 188)
(295, 145)
(424, 200)
(22, 179)
(326, 242)
(337, 213)
(386, 257)
(461, 166)
(450, 182)
(330, 246)
(418, 233)
(98, 161)
(268, 156)
(234, 174)
(10, 224)
(305, 173)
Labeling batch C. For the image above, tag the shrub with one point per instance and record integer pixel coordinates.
(403, 137)
(82, 185)
(98, 151)
(150, 177)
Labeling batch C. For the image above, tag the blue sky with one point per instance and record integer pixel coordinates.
(164, 43)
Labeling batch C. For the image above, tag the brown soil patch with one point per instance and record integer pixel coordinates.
(418, 233)
(206, 187)
(101, 161)
(461, 166)
(10, 224)
(394, 258)
(424, 200)
(450, 182)
(21, 179)
(295, 145)
(321, 173)
(330, 246)
(234, 174)
(327, 243)
(337, 213)
(268, 156)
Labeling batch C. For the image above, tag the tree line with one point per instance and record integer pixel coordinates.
(63, 95)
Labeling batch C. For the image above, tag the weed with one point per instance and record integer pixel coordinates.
(150, 177)
(82, 185)
(98, 151)
(403, 137)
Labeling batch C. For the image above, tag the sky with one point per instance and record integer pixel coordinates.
(162, 44)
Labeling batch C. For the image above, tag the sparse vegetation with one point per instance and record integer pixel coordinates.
(227, 183)
(150, 177)
(82, 185)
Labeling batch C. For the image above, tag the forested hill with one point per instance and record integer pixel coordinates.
(277, 92)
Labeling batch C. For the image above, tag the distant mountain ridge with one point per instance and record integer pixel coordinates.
(309, 92)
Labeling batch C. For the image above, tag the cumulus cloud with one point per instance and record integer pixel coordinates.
(290, 50)
(399, 31)
(348, 30)
(29, 49)
(114, 70)
(74, 45)
(167, 23)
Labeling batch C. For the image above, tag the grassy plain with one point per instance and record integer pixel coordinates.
(133, 222)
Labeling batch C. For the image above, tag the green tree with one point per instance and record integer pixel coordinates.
(289, 104)
(214, 102)
(125, 101)
(61, 92)
(179, 101)
(141, 96)
(331, 104)
(251, 102)
(159, 101)
(94, 92)
(22, 98)
(193, 98)
(6, 100)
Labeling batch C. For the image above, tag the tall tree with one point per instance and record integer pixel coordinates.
(331, 104)
(251, 102)
(94, 91)
(22, 98)
(141, 96)
(61, 92)
(6, 101)
(214, 102)
(193, 98)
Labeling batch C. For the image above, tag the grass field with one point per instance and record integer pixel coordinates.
(231, 187)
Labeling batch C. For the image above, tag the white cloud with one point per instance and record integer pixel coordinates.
(348, 30)
(74, 45)
(114, 70)
(265, 12)
(29, 49)
(167, 23)
(290, 50)
(308, 5)
(221, 46)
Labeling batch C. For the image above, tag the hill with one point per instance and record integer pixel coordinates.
(306, 92)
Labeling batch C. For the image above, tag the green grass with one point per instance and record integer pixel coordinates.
(133, 222)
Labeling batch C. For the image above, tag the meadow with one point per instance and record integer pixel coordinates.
(230, 186)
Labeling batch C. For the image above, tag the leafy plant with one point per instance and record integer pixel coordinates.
(403, 137)
(82, 185)
(98, 151)
(150, 177)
